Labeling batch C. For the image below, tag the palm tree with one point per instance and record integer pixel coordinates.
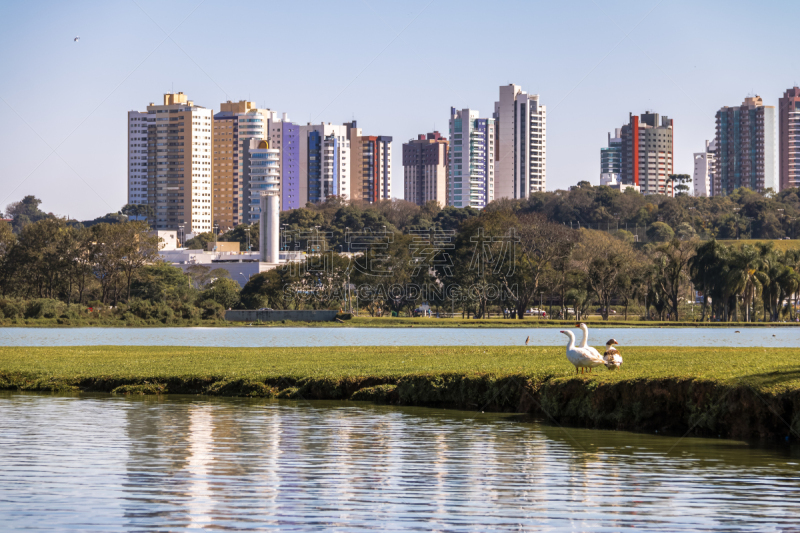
(746, 277)
(704, 269)
(783, 281)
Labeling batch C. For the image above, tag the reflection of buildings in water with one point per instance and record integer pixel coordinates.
(440, 466)
(529, 458)
(343, 446)
(199, 465)
(271, 456)
(155, 485)
(292, 429)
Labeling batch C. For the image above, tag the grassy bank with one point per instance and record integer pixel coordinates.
(733, 392)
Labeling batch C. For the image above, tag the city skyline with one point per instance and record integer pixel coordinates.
(71, 95)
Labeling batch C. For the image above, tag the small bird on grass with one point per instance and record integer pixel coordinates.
(527, 340)
(612, 357)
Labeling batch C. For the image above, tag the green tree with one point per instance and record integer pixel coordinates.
(224, 291)
(162, 282)
(660, 232)
(25, 212)
(541, 244)
(746, 277)
(672, 260)
(199, 241)
(276, 288)
(705, 270)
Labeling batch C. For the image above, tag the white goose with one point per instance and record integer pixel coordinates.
(584, 343)
(585, 340)
(582, 357)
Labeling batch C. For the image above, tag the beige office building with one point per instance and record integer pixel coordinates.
(172, 141)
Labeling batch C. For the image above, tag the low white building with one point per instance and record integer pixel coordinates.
(168, 240)
(704, 164)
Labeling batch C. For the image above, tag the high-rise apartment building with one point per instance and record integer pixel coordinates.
(325, 167)
(425, 169)
(376, 167)
(789, 138)
(372, 165)
(234, 125)
(360, 185)
(137, 157)
(704, 163)
(178, 153)
(647, 153)
(745, 148)
(611, 160)
(521, 149)
(472, 156)
(285, 136)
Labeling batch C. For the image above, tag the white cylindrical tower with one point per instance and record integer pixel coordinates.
(270, 227)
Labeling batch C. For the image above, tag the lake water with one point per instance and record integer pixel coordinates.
(70, 463)
(344, 336)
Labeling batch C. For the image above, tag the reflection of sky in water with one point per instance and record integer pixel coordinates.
(127, 464)
(344, 336)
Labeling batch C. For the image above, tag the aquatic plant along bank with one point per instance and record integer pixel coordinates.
(741, 393)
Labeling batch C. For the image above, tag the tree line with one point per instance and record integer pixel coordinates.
(112, 271)
(505, 259)
(502, 261)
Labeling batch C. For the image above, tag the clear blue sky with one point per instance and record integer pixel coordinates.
(396, 67)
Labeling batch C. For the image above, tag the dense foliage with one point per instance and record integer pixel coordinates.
(513, 256)
(105, 272)
(584, 250)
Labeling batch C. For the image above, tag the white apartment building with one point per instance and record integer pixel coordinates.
(471, 175)
(177, 154)
(137, 157)
(325, 167)
(521, 155)
(704, 163)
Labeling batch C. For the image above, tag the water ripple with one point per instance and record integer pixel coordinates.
(122, 464)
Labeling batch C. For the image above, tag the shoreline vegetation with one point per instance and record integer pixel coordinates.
(586, 251)
(743, 393)
(381, 322)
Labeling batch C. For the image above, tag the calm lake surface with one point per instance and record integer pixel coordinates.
(344, 336)
(110, 464)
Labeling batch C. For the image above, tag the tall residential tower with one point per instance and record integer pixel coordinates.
(174, 139)
(789, 138)
(611, 160)
(521, 150)
(471, 174)
(745, 148)
(234, 126)
(647, 148)
(425, 169)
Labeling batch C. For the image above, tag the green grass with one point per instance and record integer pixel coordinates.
(780, 244)
(761, 367)
(735, 392)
